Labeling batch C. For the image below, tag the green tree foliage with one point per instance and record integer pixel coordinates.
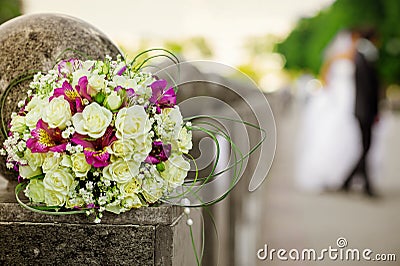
(9, 9)
(303, 48)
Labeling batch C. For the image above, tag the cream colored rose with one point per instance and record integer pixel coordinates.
(18, 124)
(96, 84)
(93, 121)
(59, 180)
(121, 149)
(132, 122)
(54, 198)
(113, 101)
(79, 165)
(27, 172)
(34, 159)
(35, 190)
(51, 162)
(121, 171)
(57, 113)
(176, 169)
(129, 188)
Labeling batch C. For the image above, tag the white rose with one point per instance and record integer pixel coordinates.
(176, 169)
(34, 159)
(35, 102)
(18, 124)
(121, 171)
(184, 141)
(96, 84)
(169, 123)
(35, 109)
(132, 122)
(35, 190)
(27, 172)
(93, 121)
(59, 180)
(142, 147)
(136, 149)
(51, 162)
(152, 190)
(54, 198)
(124, 82)
(79, 165)
(57, 113)
(113, 101)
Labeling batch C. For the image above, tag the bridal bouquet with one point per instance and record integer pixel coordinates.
(98, 136)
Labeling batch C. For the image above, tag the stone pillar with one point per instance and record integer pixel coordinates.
(145, 236)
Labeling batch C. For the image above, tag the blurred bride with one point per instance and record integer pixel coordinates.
(329, 141)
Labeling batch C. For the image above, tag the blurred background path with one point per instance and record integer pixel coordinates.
(289, 218)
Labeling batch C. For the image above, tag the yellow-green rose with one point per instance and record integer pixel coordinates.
(132, 122)
(57, 113)
(26, 171)
(79, 165)
(54, 198)
(59, 180)
(93, 121)
(18, 124)
(74, 202)
(51, 162)
(121, 171)
(35, 190)
(131, 201)
(113, 101)
(34, 159)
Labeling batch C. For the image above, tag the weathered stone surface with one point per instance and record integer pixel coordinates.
(146, 236)
(35, 43)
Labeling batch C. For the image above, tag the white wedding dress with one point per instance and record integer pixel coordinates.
(329, 143)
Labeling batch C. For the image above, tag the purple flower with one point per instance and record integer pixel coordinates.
(95, 150)
(160, 97)
(46, 139)
(121, 71)
(159, 152)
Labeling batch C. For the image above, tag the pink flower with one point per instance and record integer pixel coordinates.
(160, 97)
(95, 150)
(46, 139)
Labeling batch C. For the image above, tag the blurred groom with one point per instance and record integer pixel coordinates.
(366, 100)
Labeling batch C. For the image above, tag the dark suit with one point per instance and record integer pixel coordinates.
(366, 109)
